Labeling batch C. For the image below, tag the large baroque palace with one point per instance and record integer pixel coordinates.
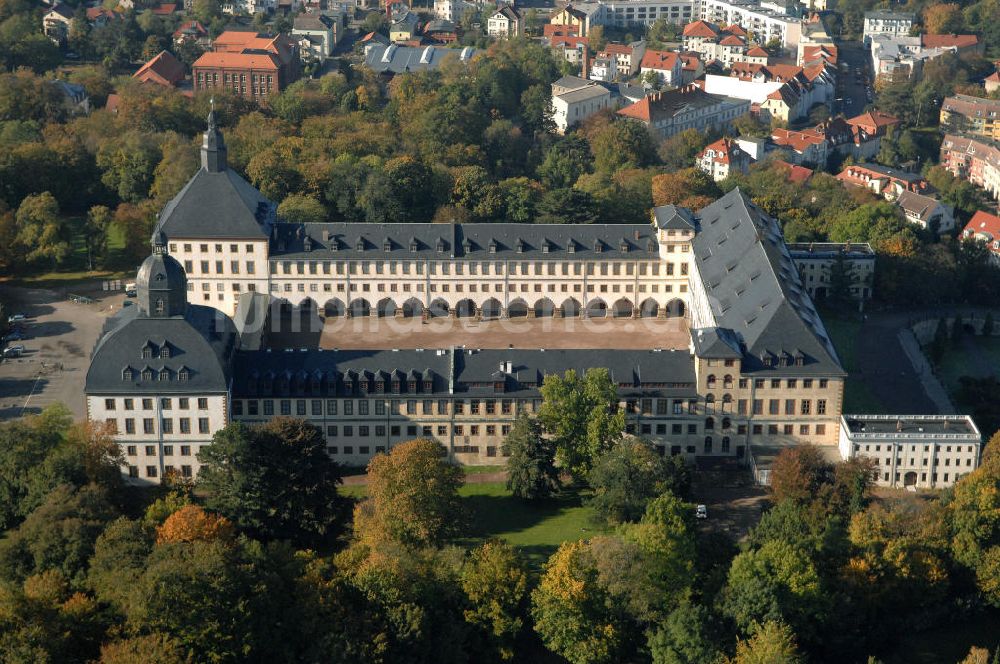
(759, 371)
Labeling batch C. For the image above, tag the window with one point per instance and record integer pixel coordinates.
(147, 425)
(773, 406)
(129, 425)
(202, 403)
(147, 404)
(821, 406)
(109, 404)
(183, 403)
(185, 425)
(806, 406)
(167, 425)
(150, 471)
(202, 425)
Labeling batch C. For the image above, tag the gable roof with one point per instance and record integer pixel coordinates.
(984, 224)
(701, 29)
(164, 68)
(758, 52)
(65, 11)
(795, 173)
(663, 105)
(917, 205)
(873, 119)
(659, 60)
(754, 290)
(949, 41)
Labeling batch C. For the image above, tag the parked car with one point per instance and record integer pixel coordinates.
(130, 290)
(16, 318)
(701, 512)
(16, 335)
(13, 351)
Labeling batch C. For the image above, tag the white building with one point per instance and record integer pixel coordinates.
(926, 211)
(318, 34)
(886, 22)
(815, 261)
(723, 158)
(573, 102)
(764, 23)
(689, 107)
(505, 23)
(627, 13)
(920, 451)
(667, 66)
(452, 10)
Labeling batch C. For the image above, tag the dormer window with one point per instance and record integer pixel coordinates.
(158, 306)
(164, 374)
(467, 246)
(183, 374)
(411, 386)
(413, 244)
(624, 247)
(651, 246)
(765, 359)
(147, 351)
(493, 246)
(440, 245)
(395, 387)
(165, 351)
(387, 245)
(428, 386)
(520, 246)
(334, 244)
(498, 386)
(147, 374)
(571, 247)
(127, 373)
(307, 244)
(545, 247)
(598, 247)
(380, 386)
(360, 245)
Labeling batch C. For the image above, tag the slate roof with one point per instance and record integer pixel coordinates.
(217, 205)
(753, 289)
(673, 217)
(201, 341)
(341, 240)
(918, 205)
(454, 371)
(400, 59)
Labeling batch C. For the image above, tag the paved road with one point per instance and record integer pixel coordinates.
(849, 88)
(61, 335)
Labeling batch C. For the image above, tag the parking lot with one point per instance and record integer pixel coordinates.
(735, 504)
(59, 334)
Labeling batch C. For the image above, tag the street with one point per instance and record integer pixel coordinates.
(851, 90)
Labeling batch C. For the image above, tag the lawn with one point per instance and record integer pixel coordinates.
(844, 330)
(536, 529)
(982, 359)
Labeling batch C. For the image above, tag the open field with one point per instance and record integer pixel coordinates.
(386, 333)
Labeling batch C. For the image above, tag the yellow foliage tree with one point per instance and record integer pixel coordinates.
(191, 524)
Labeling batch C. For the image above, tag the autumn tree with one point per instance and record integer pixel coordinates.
(41, 230)
(798, 472)
(150, 649)
(773, 643)
(301, 209)
(943, 19)
(495, 581)
(274, 481)
(581, 415)
(412, 497)
(625, 478)
(689, 187)
(531, 470)
(191, 523)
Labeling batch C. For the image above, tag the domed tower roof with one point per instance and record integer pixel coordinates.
(161, 285)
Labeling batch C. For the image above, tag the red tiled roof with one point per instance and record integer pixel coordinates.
(164, 69)
(723, 148)
(795, 173)
(190, 27)
(732, 40)
(572, 41)
(874, 120)
(659, 60)
(691, 61)
(758, 52)
(552, 30)
(983, 223)
(735, 30)
(994, 77)
(165, 9)
(215, 60)
(616, 49)
(94, 13)
(948, 41)
(700, 29)
(799, 141)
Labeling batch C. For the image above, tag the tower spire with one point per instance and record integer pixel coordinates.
(213, 147)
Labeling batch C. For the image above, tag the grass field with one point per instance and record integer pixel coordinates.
(977, 356)
(844, 330)
(536, 529)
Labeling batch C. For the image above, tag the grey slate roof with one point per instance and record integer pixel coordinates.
(673, 217)
(251, 319)
(217, 205)
(322, 373)
(754, 289)
(397, 59)
(472, 241)
(201, 341)
(923, 207)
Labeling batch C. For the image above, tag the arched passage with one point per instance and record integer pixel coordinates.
(360, 307)
(491, 308)
(333, 308)
(649, 308)
(622, 309)
(544, 308)
(465, 309)
(570, 308)
(308, 316)
(517, 308)
(597, 308)
(437, 308)
(412, 308)
(386, 308)
(675, 308)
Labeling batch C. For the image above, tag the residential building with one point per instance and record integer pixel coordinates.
(971, 115)
(783, 100)
(667, 66)
(886, 182)
(404, 27)
(693, 68)
(913, 451)
(766, 24)
(759, 368)
(796, 175)
(452, 10)
(395, 59)
(814, 40)
(192, 32)
(976, 160)
(900, 58)
(75, 97)
(505, 23)
(575, 99)
(985, 227)
(164, 70)
(887, 22)
(926, 211)
(992, 82)
(625, 58)
(630, 13)
(581, 16)
(726, 45)
(250, 64)
(569, 47)
(56, 22)
(806, 146)
(815, 261)
(440, 31)
(722, 158)
(688, 107)
(317, 35)
(961, 44)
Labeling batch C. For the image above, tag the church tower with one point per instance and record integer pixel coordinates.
(161, 286)
(213, 147)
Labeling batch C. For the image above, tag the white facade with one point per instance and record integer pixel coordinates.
(897, 24)
(160, 434)
(765, 24)
(218, 271)
(625, 13)
(451, 10)
(920, 451)
(504, 23)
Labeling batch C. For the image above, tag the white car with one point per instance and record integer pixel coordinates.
(701, 512)
(16, 318)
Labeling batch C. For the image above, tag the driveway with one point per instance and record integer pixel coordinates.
(60, 336)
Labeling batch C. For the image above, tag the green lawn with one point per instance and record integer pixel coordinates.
(844, 330)
(536, 529)
(960, 361)
(948, 644)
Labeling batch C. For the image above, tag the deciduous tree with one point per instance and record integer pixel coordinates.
(495, 582)
(531, 470)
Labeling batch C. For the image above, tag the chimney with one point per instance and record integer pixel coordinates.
(899, 426)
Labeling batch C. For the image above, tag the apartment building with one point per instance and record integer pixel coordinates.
(815, 261)
(889, 183)
(688, 107)
(971, 115)
(249, 64)
(575, 99)
(985, 227)
(918, 451)
(628, 13)
(976, 160)
(722, 159)
(765, 24)
(886, 22)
